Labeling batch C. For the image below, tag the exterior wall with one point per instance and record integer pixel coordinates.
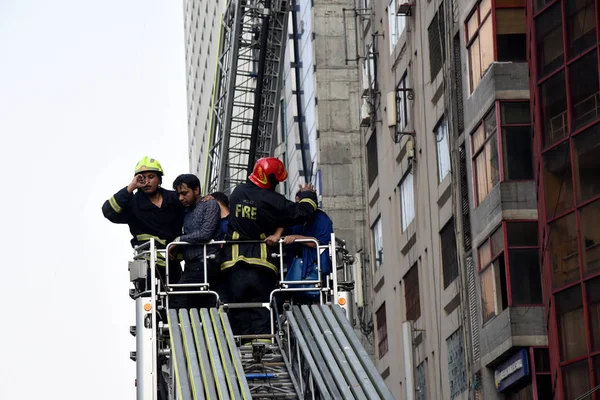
(440, 325)
(202, 24)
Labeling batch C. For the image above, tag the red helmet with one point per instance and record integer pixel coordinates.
(265, 167)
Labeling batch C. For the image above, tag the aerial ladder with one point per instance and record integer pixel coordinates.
(312, 351)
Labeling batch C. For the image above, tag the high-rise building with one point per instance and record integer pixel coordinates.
(202, 24)
(319, 136)
(563, 49)
(452, 199)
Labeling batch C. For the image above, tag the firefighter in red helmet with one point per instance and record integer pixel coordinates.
(256, 211)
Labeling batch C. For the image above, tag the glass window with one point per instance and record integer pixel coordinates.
(589, 223)
(411, 293)
(558, 181)
(549, 44)
(407, 194)
(480, 43)
(397, 24)
(493, 289)
(497, 242)
(563, 251)
(542, 359)
(511, 37)
(593, 297)
(525, 276)
(486, 157)
(587, 159)
(382, 342)
(576, 379)
(515, 113)
(372, 164)
(402, 109)
(522, 234)
(581, 26)
(585, 99)
(378, 242)
(569, 310)
(554, 108)
(449, 256)
(437, 36)
(443, 150)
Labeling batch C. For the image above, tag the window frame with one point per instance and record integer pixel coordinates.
(382, 334)
(402, 108)
(471, 37)
(501, 125)
(412, 293)
(449, 272)
(442, 124)
(476, 152)
(395, 32)
(495, 255)
(404, 221)
(377, 228)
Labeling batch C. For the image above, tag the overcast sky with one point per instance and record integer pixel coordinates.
(86, 89)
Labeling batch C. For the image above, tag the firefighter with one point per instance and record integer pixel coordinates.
(150, 212)
(257, 211)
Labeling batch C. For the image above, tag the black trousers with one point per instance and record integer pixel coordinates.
(246, 283)
(194, 273)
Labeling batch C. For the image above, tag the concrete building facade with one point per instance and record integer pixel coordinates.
(319, 136)
(202, 24)
(452, 199)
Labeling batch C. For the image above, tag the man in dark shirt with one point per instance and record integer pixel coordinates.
(200, 225)
(150, 212)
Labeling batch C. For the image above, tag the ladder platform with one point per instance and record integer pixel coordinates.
(206, 360)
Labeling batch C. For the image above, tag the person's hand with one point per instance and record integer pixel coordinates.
(172, 252)
(307, 188)
(273, 239)
(137, 182)
(290, 239)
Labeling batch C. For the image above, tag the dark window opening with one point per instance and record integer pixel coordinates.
(382, 342)
(549, 44)
(585, 97)
(587, 150)
(436, 32)
(554, 108)
(522, 234)
(449, 255)
(411, 294)
(569, 311)
(563, 252)
(558, 181)
(589, 221)
(525, 276)
(581, 26)
(511, 37)
(372, 165)
(593, 297)
(518, 152)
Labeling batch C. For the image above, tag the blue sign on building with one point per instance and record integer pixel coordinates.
(512, 370)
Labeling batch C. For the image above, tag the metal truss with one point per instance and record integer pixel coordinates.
(247, 89)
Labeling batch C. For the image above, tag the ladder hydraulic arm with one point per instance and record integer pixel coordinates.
(247, 92)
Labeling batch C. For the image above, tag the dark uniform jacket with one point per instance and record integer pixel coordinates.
(145, 220)
(256, 213)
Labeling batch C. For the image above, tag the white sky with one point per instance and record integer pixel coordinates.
(86, 89)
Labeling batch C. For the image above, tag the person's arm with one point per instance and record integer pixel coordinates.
(210, 215)
(323, 230)
(291, 213)
(274, 238)
(115, 209)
